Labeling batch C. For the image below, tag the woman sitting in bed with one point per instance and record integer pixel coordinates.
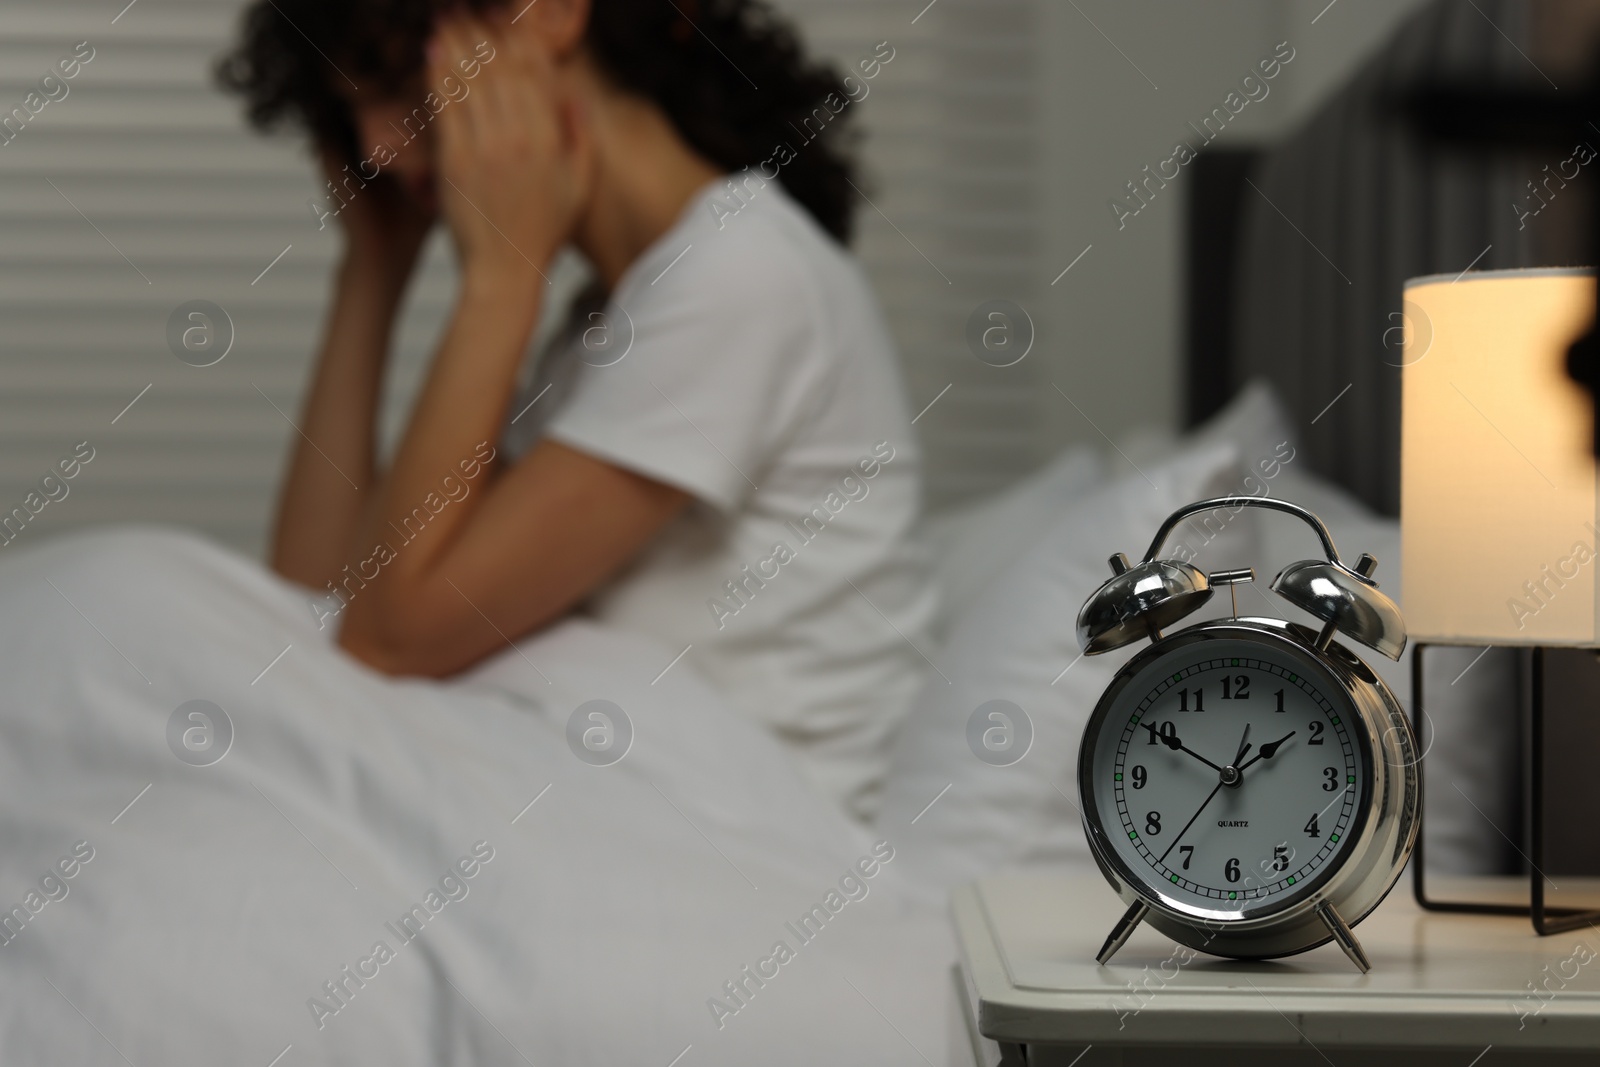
(715, 451)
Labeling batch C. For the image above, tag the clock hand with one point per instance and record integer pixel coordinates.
(1215, 789)
(1225, 779)
(1243, 747)
(1267, 750)
(1172, 742)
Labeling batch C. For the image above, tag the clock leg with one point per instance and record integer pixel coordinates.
(1122, 931)
(1344, 936)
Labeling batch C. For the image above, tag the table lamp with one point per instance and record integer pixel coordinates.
(1498, 520)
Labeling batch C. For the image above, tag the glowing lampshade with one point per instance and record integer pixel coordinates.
(1497, 492)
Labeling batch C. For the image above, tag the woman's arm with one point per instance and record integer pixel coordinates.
(521, 552)
(332, 469)
(529, 542)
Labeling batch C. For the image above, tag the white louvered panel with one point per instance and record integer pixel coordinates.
(160, 162)
(950, 129)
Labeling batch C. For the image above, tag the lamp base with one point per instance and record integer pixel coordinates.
(1546, 919)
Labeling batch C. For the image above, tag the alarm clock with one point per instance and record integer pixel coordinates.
(1248, 785)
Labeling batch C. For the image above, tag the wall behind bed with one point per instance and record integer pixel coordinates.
(992, 142)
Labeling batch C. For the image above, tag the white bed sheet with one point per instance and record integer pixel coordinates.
(617, 906)
(220, 899)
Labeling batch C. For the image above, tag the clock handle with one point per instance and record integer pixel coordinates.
(1270, 503)
(1342, 934)
(1122, 931)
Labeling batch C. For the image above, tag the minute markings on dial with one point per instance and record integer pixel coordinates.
(1139, 837)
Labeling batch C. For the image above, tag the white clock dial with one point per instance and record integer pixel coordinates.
(1228, 775)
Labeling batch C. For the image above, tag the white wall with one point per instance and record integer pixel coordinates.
(993, 143)
(1112, 327)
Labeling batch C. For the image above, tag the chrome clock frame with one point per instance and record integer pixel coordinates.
(1379, 839)
(1137, 602)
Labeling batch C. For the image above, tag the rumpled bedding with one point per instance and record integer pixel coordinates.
(409, 872)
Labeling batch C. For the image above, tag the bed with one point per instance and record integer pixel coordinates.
(329, 866)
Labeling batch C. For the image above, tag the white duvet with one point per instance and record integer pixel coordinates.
(362, 879)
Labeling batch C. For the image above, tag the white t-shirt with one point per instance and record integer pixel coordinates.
(742, 359)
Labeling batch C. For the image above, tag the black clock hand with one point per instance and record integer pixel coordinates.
(1172, 742)
(1268, 750)
(1217, 788)
(1225, 779)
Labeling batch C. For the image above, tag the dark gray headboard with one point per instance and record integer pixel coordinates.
(1212, 228)
(1297, 255)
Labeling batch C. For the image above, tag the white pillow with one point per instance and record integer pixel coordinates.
(972, 543)
(1255, 422)
(1016, 642)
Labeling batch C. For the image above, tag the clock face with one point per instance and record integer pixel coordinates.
(1228, 775)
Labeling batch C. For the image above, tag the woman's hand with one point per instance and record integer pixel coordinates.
(515, 160)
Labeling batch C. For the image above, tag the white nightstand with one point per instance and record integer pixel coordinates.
(1443, 989)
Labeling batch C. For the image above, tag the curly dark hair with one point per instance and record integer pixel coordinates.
(688, 56)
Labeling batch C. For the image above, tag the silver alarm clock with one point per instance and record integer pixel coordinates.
(1248, 785)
